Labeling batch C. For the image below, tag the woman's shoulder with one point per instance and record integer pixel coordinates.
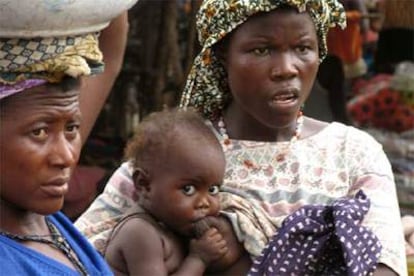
(68, 230)
(17, 259)
(335, 131)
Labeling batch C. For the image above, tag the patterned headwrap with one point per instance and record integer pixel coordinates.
(206, 88)
(10, 89)
(28, 62)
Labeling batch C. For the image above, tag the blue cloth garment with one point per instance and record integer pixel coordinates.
(16, 259)
(322, 240)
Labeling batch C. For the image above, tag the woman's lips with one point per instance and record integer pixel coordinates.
(56, 188)
(286, 97)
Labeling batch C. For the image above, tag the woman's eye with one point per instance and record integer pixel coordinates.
(261, 51)
(302, 49)
(72, 129)
(189, 190)
(214, 190)
(40, 133)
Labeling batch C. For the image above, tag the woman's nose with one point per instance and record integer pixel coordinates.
(283, 66)
(64, 152)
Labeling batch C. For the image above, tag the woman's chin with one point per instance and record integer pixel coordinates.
(49, 207)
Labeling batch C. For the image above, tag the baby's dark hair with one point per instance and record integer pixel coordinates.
(156, 132)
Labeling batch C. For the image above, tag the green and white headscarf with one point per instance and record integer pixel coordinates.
(206, 88)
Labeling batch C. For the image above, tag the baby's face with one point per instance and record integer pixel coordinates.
(185, 188)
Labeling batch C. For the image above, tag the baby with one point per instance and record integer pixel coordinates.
(178, 166)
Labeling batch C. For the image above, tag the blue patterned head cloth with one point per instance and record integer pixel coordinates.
(206, 87)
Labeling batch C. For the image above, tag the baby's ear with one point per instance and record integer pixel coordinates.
(141, 179)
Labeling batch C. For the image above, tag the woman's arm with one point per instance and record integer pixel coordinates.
(95, 89)
(373, 174)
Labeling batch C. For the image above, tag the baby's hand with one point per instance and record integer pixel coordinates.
(209, 247)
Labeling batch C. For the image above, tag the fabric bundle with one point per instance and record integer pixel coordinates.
(322, 240)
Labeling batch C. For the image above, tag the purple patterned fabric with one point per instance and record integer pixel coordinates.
(322, 240)
(7, 90)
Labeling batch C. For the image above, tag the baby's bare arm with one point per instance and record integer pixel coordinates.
(136, 249)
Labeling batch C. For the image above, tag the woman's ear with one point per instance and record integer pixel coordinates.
(141, 180)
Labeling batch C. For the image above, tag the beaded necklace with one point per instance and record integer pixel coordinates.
(279, 157)
(56, 240)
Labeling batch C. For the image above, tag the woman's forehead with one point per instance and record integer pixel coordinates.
(216, 18)
(42, 97)
(267, 24)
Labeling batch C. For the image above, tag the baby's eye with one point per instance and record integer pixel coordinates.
(261, 51)
(189, 189)
(40, 133)
(214, 190)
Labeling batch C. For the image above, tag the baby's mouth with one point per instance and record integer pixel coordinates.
(200, 227)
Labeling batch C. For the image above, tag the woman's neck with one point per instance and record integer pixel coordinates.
(249, 128)
(20, 222)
